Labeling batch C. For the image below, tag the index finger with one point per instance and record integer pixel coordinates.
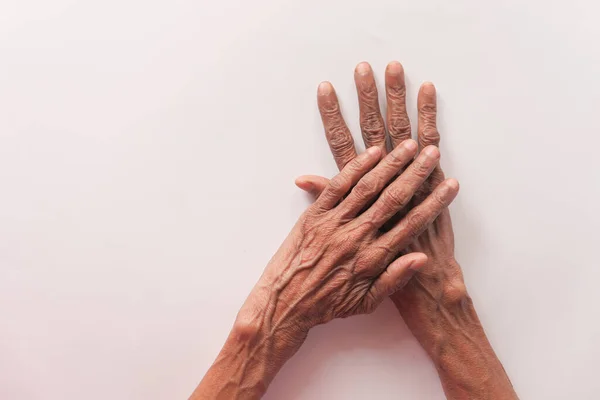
(337, 132)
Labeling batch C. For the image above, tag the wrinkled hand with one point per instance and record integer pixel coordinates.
(440, 282)
(336, 261)
(341, 258)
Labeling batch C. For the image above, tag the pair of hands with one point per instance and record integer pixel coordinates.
(380, 227)
(344, 256)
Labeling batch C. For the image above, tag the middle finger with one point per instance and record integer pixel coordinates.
(397, 118)
(371, 121)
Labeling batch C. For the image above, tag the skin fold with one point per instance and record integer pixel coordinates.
(434, 304)
(336, 262)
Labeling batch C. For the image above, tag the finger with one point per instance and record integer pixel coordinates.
(397, 195)
(427, 110)
(428, 134)
(436, 177)
(398, 122)
(337, 132)
(397, 274)
(369, 187)
(371, 121)
(312, 184)
(341, 184)
(420, 217)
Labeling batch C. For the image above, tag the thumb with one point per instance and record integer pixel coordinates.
(312, 184)
(397, 274)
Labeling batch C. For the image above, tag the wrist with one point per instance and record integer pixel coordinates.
(264, 326)
(436, 306)
(255, 330)
(440, 313)
(266, 314)
(436, 292)
(249, 360)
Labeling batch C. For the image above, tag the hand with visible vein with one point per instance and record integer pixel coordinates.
(434, 303)
(336, 262)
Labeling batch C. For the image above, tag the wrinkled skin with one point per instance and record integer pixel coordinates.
(349, 251)
(337, 261)
(441, 278)
(345, 255)
(434, 303)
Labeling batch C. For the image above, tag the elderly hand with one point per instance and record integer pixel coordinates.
(434, 303)
(440, 282)
(336, 262)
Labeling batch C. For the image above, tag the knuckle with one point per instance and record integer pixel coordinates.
(439, 198)
(342, 151)
(396, 93)
(336, 185)
(339, 140)
(420, 169)
(344, 243)
(322, 207)
(415, 223)
(366, 229)
(399, 126)
(394, 198)
(365, 188)
(372, 125)
(430, 135)
(370, 259)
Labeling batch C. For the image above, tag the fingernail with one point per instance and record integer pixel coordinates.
(410, 144)
(373, 151)
(363, 68)
(324, 89)
(394, 68)
(452, 183)
(432, 151)
(303, 184)
(448, 190)
(428, 88)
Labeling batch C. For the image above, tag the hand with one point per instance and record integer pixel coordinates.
(441, 277)
(434, 303)
(336, 262)
(333, 263)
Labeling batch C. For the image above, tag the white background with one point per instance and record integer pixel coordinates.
(147, 157)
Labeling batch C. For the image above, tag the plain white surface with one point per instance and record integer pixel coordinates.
(147, 157)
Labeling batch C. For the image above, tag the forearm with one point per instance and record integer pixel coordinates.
(447, 326)
(466, 363)
(250, 358)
